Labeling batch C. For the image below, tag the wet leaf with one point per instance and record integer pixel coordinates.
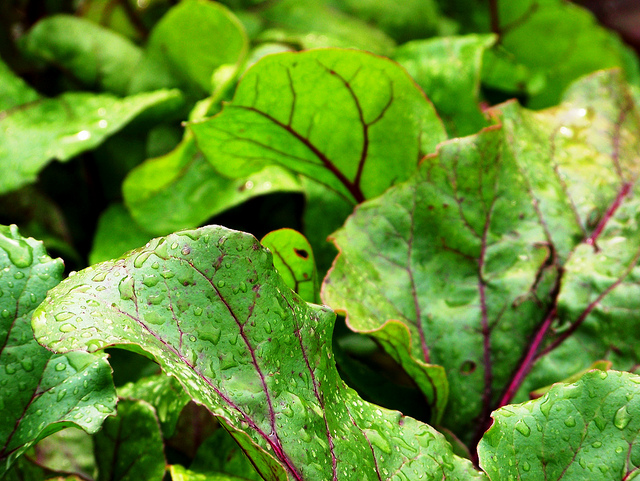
(448, 70)
(293, 259)
(182, 190)
(96, 56)
(504, 245)
(67, 451)
(347, 119)
(40, 393)
(129, 446)
(209, 306)
(216, 39)
(585, 430)
(33, 134)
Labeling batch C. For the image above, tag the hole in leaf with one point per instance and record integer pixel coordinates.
(467, 367)
(302, 253)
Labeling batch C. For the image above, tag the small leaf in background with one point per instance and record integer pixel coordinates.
(164, 393)
(580, 46)
(217, 38)
(348, 119)
(315, 24)
(40, 393)
(403, 21)
(208, 305)
(13, 90)
(116, 234)
(59, 128)
(182, 190)
(129, 447)
(448, 70)
(221, 455)
(67, 451)
(293, 259)
(585, 430)
(92, 54)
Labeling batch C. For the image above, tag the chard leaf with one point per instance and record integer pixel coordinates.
(350, 120)
(216, 39)
(182, 190)
(585, 430)
(448, 70)
(67, 451)
(129, 446)
(162, 392)
(209, 306)
(14, 90)
(40, 393)
(180, 473)
(33, 134)
(294, 261)
(96, 56)
(502, 246)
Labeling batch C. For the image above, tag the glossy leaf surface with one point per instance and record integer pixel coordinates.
(347, 119)
(40, 393)
(92, 54)
(585, 430)
(33, 134)
(208, 305)
(502, 247)
(129, 446)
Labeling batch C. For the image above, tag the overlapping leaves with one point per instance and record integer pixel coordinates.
(209, 307)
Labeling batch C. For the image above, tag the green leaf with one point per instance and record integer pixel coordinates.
(571, 44)
(293, 259)
(502, 247)
(13, 90)
(403, 21)
(209, 306)
(129, 447)
(164, 393)
(180, 473)
(96, 56)
(314, 24)
(33, 134)
(347, 119)
(220, 455)
(448, 70)
(217, 38)
(585, 430)
(67, 451)
(40, 393)
(116, 234)
(182, 190)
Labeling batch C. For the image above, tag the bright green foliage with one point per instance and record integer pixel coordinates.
(40, 392)
(181, 189)
(585, 430)
(94, 55)
(351, 121)
(164, 393)
(33, 134)
(216, 39)
(129, 447)
(210, 308)
(469, 257)
(448, 70)
(294, 261)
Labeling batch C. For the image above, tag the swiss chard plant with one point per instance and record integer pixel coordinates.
(446, 283)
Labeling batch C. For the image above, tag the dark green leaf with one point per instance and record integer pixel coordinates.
(40, 393)
(129, 447)
(209, 306)
(585, 430)
(67, 451)
(92, 54)
(347, 119)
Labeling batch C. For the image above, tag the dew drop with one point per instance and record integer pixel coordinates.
(61, 394)
(211, 335)
(186, 250)
(140, 259)
(167, 274)
(174, 245)
(150, 280)
(93, 346)
(621, 418)
(10, 368)
(18, 275)
(5, 313)
(154, 318)
(197, 311)
(61, 366)
(220, 284)
(67, 328)
(570, 422)
(19, 251)
(155, 265)
(125, 287)
(27, 364)
(155, 299)
(526, 466)
(523, 428)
